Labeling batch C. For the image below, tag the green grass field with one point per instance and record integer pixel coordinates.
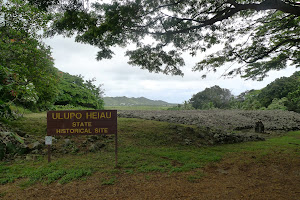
(144, 146)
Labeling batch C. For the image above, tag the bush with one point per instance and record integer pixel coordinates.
(5, 111)
(73, 90)
(278, 104)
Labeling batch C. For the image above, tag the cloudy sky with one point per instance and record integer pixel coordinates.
(121, 79)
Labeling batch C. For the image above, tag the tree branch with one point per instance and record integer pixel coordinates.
(271, 4)
(270, 51)
(230, 11)
(162, 6)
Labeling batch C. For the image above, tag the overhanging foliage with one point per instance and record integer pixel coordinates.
(257, 35)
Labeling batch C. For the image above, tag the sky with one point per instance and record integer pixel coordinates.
(121, 79)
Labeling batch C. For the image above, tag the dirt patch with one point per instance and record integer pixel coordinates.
(242, 176)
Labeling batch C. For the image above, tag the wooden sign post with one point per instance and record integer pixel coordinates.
(82, 122)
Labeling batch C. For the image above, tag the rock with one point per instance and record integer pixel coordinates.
(222, 171)
(75, 150)
(37, 145)
(259, 127)
(92, 139)
(216, 136)
(173, 126)
(30, 157)
(36, 151)
(2, 150)
(187, 141)
(201, 134)
(20, 133)
(23, 149)
(94, 147)
(11, 144)
(11, 148)
(67, 142)
(225, 119)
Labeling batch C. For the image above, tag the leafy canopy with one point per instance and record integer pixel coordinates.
(282, 93)
(279, 88)
(27, 73)
(257, 35)
(247, 100)
(213, 97)
(73, 90)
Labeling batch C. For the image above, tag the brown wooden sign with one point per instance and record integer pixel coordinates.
(82, 122)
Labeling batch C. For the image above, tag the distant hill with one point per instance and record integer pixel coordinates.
(140, 101)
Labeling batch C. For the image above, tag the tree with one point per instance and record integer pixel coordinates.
(279, 88)
(258, 35)
(214, 97)
(50, 5)
(293, 102)
(247, 100)
(278, 104)
(73, 90)
(293, 97)
(27, 70)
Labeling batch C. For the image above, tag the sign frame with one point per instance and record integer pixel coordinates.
(81, 122)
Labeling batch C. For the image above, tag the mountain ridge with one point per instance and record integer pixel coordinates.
(134, 101)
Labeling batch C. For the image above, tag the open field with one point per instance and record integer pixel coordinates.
(155, 162)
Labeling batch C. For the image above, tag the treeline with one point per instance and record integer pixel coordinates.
(66, 91)
(74, 91)
(283, 94)
(28, 77)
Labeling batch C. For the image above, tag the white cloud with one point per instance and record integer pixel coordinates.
(121, 79)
